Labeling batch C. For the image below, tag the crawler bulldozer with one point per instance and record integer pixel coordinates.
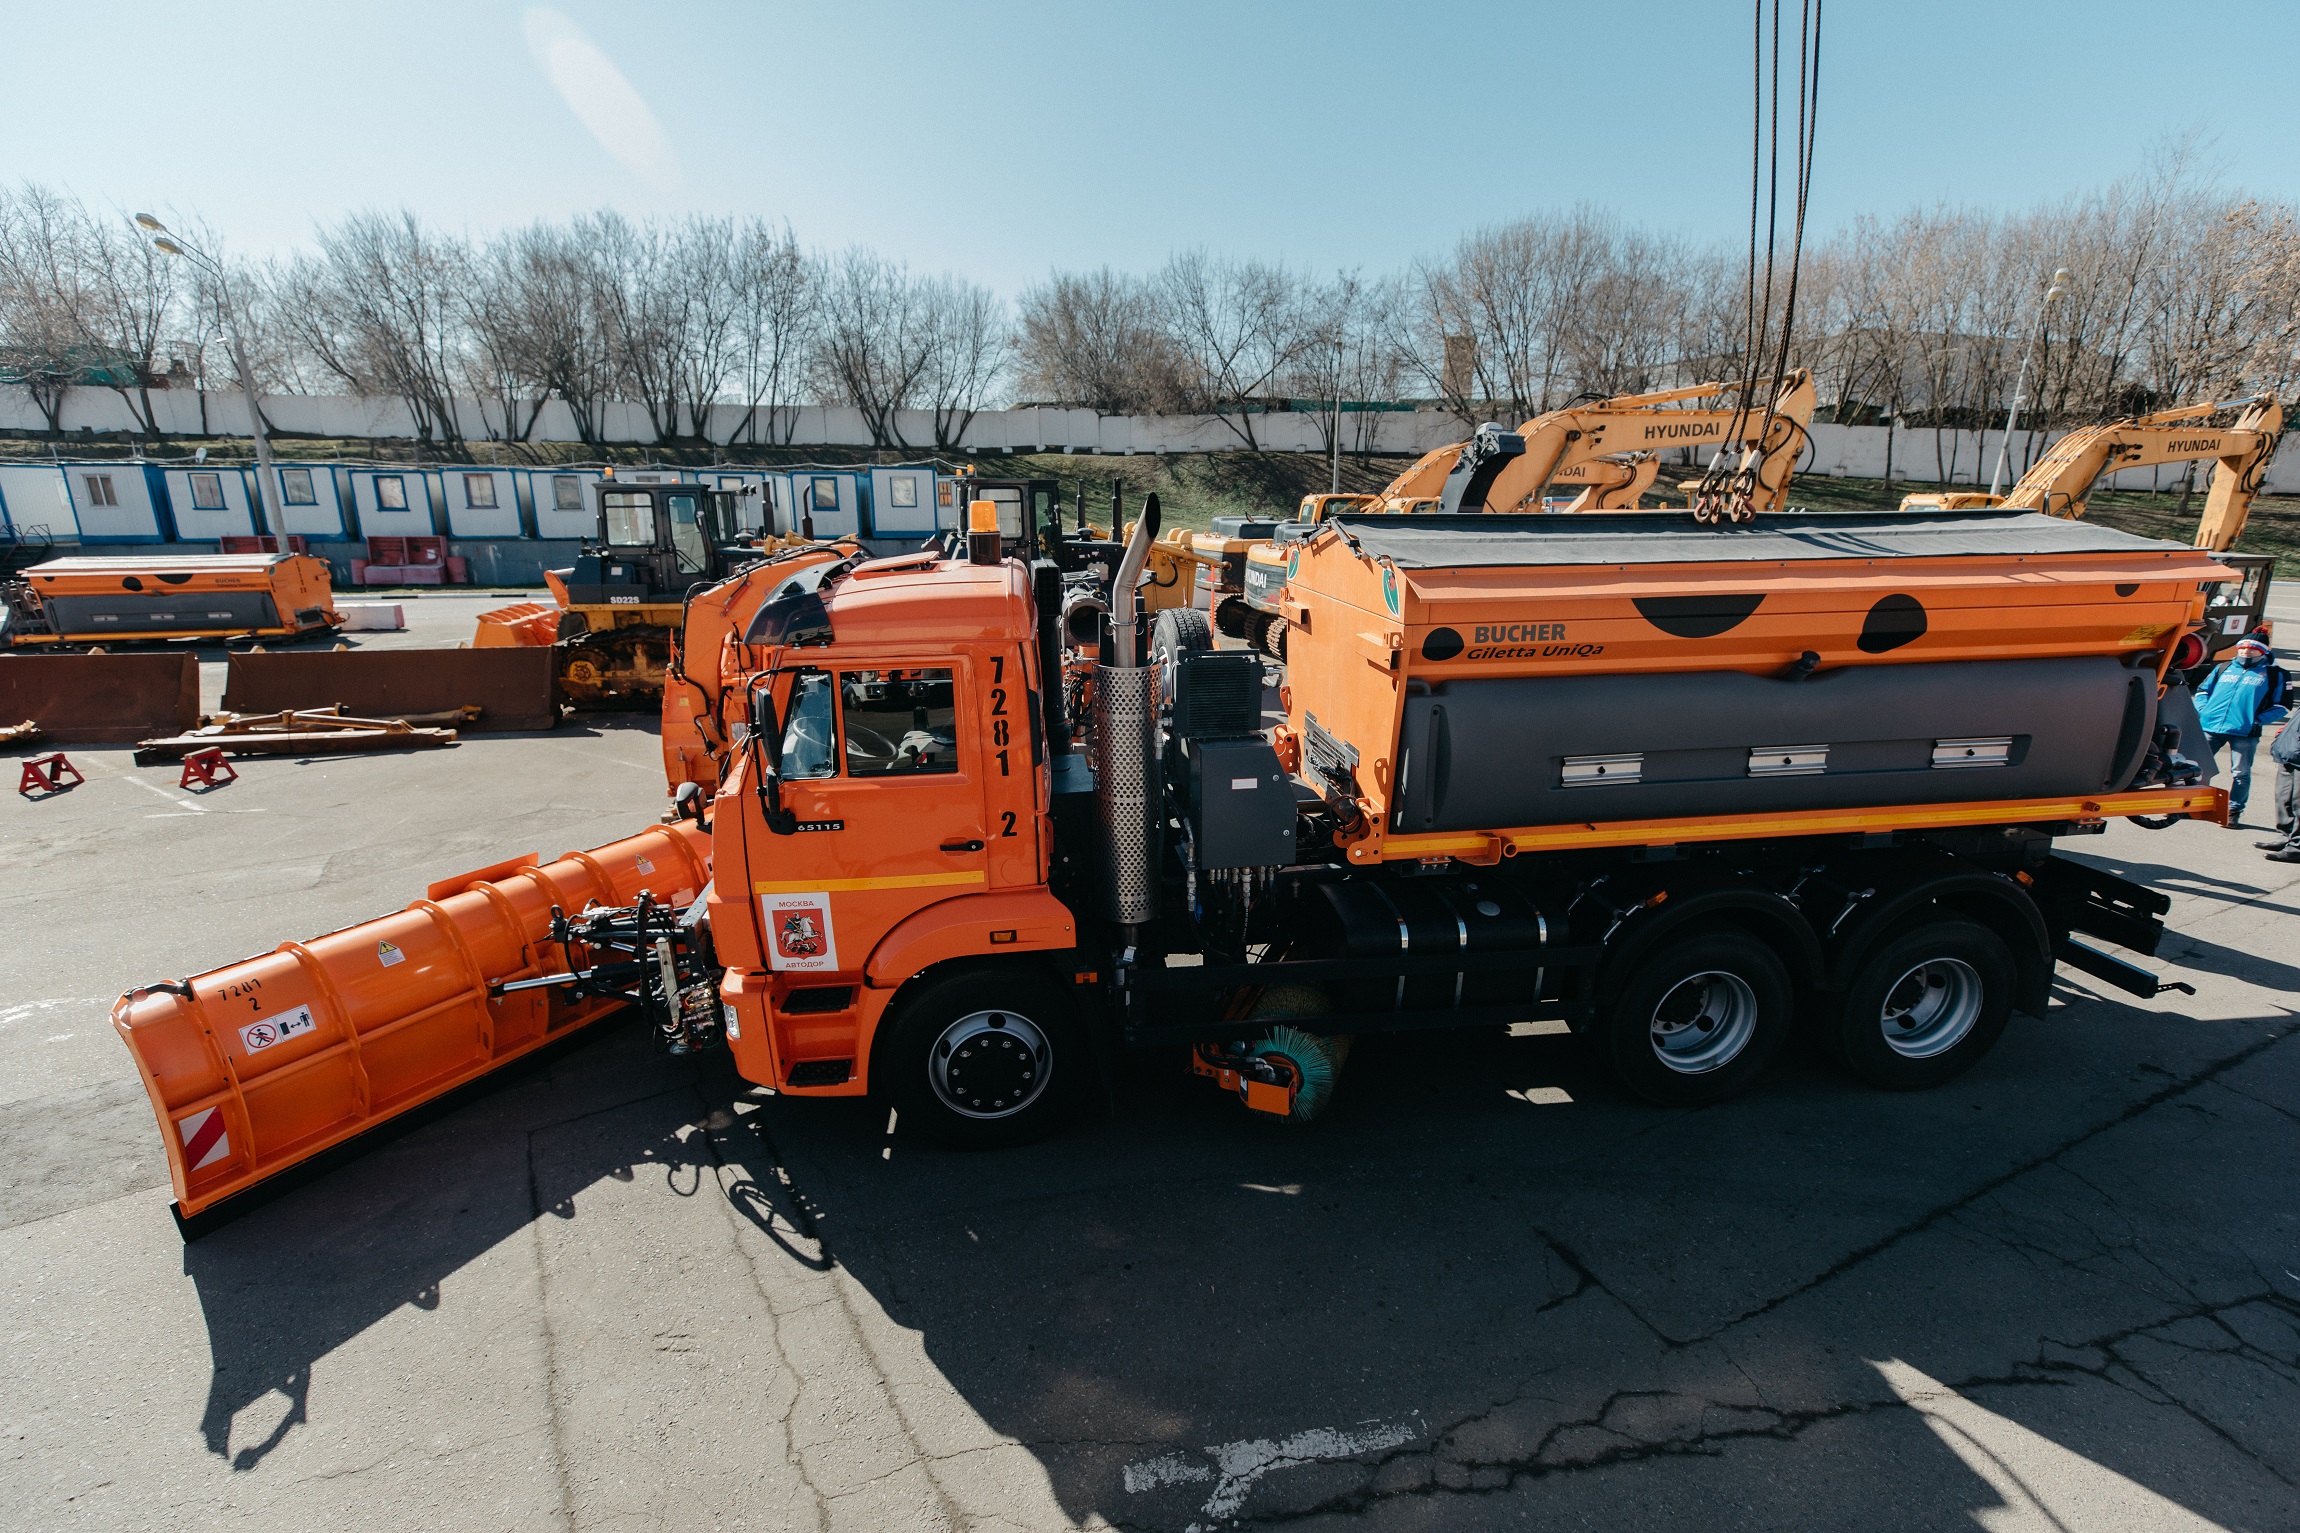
(616, 611)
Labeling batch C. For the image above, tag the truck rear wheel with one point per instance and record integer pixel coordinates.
(1700, 1019)
(985, 1058)
(1924, 1006)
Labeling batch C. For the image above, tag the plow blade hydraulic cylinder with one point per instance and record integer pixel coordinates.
(257, 1067)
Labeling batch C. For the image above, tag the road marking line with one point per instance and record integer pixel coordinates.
(164, 793)
(1237, 1466)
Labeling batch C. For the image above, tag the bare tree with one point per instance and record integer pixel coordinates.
(378, 309)
(774, 322)
(968, 345)
(874, 344)
(1237, 326)
(1094, 339)
(41, 297)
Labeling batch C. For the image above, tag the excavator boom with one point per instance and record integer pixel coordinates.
(2060, 482)
(1559, 442)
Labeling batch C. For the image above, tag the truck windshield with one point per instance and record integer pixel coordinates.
(629, 516)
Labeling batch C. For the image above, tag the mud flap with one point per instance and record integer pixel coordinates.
(255, 1068)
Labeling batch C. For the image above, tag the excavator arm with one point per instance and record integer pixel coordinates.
(1562, 446)
(2060, 482)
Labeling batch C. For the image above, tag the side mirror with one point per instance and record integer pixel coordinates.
(767, 735)
(687, 803)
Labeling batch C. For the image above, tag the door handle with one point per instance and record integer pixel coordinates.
(962, 846)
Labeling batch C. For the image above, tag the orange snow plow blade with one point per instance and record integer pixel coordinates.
(261, 1065)
(523, 625)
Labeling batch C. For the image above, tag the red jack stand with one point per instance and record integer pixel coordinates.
(44, 775)
(208, 768)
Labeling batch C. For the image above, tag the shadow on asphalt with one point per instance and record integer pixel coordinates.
(1507, 1292)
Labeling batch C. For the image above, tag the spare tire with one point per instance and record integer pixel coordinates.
(1176, 634)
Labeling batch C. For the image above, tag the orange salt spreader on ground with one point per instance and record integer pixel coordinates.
(85, 599)
(1678, 789)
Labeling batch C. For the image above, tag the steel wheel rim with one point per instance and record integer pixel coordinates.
(1703, 1022)
(990, 1064)
(1930, 1009)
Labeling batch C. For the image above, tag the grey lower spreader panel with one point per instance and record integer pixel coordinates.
(1489, 753)
(162, 613)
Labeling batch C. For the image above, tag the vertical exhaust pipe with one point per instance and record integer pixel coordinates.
(1125, 762)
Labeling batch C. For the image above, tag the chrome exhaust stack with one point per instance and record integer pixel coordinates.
(1125, 753)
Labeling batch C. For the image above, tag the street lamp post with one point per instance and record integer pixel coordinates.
(267, 481)
(1337, 483)
(2060, 281)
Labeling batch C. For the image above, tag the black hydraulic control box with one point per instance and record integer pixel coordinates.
(1240, 804)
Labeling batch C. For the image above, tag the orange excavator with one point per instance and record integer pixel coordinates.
(1507, 471)
(1678, 788)
(1610, 447)
(2060, 482)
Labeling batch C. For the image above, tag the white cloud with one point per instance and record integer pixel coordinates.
(599, 95)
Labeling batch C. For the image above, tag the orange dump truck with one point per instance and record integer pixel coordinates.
(90, 600)
(1676, 788)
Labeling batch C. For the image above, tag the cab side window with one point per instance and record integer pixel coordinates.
(899, 723)
(807, 737)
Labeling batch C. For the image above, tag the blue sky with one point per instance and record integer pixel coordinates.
(999, 141)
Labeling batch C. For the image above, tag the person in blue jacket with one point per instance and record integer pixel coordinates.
(2240, 695)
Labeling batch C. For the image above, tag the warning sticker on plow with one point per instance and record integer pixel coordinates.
(205, 1141)
(258, 1036)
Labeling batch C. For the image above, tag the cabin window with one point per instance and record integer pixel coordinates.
(100, 492)
(479, 491)
(630, 517)
(823, 494)
(687, 533)
(207, 491)
(296, 487)
(567, 493)
(902, 492)
(390, 493)
(899, 723)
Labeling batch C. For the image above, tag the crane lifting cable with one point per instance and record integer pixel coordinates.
(1729, 494)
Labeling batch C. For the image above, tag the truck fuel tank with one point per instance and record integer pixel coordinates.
(1419, 917)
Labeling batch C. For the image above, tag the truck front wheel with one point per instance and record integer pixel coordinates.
(1700, 1019)
(984, 1058)
(1924, 1006)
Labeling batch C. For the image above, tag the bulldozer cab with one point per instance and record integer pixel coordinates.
(654, 541)
(1029, 511)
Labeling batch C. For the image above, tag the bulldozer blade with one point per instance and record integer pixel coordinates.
(259, 1067)
(523, 625)
(101, 699)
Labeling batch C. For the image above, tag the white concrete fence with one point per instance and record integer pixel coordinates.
(1919, 455)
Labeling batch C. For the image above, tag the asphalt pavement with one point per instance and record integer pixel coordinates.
(1487, 1290)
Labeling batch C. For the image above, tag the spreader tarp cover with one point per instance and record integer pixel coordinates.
(1477, 541)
